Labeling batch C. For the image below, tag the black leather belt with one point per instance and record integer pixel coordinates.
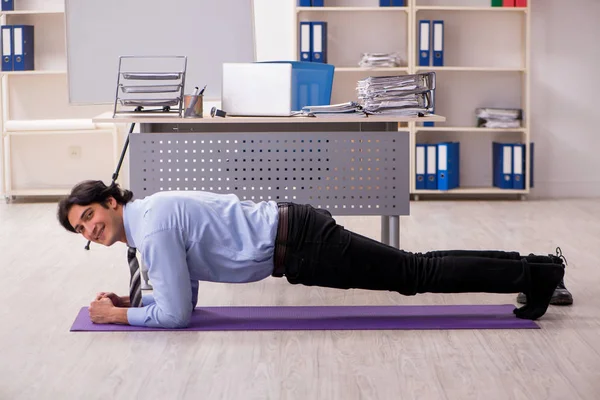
(281, 241)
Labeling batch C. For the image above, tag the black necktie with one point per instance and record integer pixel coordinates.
(135, 284)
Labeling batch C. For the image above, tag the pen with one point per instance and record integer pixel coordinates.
(202, 91)
(195, 91)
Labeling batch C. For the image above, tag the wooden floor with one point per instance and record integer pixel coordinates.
(46, 276)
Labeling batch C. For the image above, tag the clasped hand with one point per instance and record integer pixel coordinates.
(100, 309)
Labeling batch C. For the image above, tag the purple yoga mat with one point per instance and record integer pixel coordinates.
(335, 318)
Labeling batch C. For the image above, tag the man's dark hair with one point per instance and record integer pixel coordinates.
(88, 192)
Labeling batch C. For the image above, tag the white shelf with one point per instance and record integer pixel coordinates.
(35, 72)
(374, 69)
(473, 190)
(39, 192)
(459, 8)
(350, 9)
(31, 12)
(467, 129)
(470, 69)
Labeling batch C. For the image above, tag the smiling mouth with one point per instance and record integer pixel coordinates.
(99, 234)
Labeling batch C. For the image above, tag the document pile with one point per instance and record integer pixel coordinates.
(380, 60)
(350, 108)
(405, 95)
(504, 118)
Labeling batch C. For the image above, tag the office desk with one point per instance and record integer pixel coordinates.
(348, 165)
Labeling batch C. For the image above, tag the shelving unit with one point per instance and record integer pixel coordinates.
(352, 9)
(40, 157)
(473, 76)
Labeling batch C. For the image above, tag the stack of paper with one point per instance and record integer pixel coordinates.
(336, 110)
(504, 118)
(380, 60)
(409, 95)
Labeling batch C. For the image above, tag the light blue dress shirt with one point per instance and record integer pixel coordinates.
(190, 236)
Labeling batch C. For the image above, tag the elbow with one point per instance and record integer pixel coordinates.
(178, 321)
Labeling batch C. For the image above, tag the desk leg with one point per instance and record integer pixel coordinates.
(394, 223)
(385, 229)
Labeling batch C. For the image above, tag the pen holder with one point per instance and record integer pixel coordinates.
(193, 106)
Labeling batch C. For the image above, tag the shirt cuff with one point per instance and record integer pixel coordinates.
(136, 316)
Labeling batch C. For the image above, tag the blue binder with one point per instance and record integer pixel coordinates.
(7, 45)
(385, 3)
(424, 40)
(431, 171)
(398, 3)
(319, 42)
(305, 41)
(531, 163)
(438, 43)
(420, 166)
(518, 172)
(318, 3)
(448, 168)
(8, 5)
(23, 55)
(304, 3)
(502, 165)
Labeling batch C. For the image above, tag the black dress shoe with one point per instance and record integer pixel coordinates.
(560, 297)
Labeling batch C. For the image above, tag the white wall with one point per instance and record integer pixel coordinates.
(565, 54)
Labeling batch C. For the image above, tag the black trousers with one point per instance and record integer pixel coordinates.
(322, 253)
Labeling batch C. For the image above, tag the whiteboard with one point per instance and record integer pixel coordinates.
(208, 32)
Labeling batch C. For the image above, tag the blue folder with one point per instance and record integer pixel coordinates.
(318, 3)
(23, 54)
(420, 166)
(8, 5)
(502, 165)
(319, 42)
(438, 43)
(531, 163)
(305, 36)
(518, 172)
(431, 170)
(7, 48)
(304, 3)
(424, 42)
(448, 174)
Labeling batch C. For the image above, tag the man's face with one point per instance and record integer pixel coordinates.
(97, 223)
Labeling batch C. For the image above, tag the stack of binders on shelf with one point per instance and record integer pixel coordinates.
(392, 3)
(406, 95)
(311, 3)
(380, 60)
(437, 166)
(17, 48)
(313, 41)
(509, 3)
(503, 118)
(508, 162)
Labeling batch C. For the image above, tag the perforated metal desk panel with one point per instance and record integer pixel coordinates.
(349, 167)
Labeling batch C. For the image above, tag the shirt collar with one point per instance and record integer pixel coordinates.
(128, 216)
